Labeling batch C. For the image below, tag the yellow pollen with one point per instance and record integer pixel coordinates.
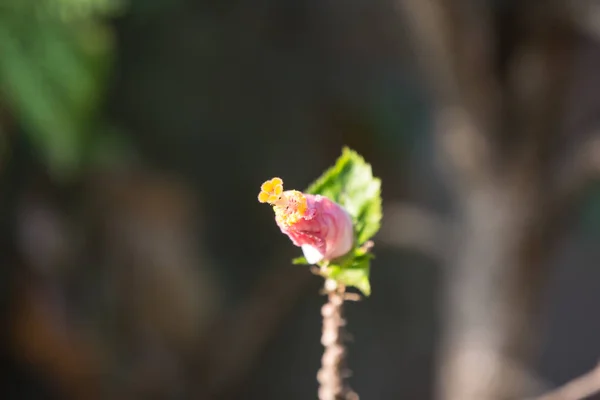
(270, 191)
(289, 206)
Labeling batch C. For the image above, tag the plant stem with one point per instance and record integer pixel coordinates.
(333, 369)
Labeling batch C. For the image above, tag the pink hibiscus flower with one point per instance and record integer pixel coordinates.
(318, 225)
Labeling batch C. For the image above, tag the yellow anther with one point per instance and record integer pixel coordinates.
(263, 197)
(270, 191)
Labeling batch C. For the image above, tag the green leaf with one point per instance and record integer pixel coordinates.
(300, 261)
(351, 184)
(355, 275)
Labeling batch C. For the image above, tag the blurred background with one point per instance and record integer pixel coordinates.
(136, 262)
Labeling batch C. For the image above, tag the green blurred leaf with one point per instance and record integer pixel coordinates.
(65, 10)
(351, 184)
(53, 74)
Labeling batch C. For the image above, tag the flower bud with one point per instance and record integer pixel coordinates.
(321, 227)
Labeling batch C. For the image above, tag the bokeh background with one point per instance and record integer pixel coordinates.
(136, 262)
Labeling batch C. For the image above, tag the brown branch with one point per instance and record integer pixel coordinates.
(577, 389)
(333, 370)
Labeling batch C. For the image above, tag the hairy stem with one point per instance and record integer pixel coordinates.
(333, 369)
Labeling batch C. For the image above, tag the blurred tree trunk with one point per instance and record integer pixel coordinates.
(501, 75)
